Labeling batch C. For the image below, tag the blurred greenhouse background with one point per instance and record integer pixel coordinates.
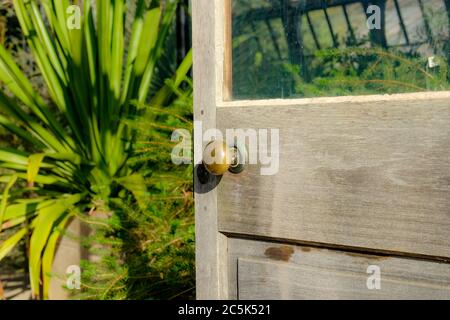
(309, 48)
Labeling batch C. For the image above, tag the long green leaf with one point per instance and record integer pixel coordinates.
(4, 201)
(18, 157)
(44, 224)
(19, 210)
(20, 86)
(55, 85)
(49, 254)
(9, 244)
(14, 222)
(133, 49)
(166, 23)
(34, 164)
(13, 128)
(43, 179)
(47, 42)
(166, 91)
(13, 109)
(135, 183)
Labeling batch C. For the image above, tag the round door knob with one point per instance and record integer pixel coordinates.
(219, 158)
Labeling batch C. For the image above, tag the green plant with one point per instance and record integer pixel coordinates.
(80, 143)
(149, 253)
(359, 71)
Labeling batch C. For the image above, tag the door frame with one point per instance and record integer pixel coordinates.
(211, 245)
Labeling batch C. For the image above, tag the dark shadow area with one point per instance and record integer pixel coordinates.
(204, 182)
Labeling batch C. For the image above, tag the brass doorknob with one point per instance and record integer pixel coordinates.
(218, 158)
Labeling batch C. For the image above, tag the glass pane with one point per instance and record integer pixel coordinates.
(313, 48)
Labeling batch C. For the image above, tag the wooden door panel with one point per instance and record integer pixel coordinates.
(278, 271)
(364, 174)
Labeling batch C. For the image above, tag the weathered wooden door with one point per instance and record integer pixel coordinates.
(349, 102)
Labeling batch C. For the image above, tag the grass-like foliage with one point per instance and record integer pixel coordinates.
(79, 151)
(148, 253)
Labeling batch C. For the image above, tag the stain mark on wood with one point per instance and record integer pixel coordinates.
(279, 253)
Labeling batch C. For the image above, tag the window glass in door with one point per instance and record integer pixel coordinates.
(314, 48)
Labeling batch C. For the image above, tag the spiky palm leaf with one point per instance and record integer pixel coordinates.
(81, 141)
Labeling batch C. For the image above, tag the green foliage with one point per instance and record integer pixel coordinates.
(359, 71)
(79, 146)
(147, 250)
(341, 71)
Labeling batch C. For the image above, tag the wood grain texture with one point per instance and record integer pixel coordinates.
(361, 174)
(429, 95)
(276, 271)
(211, 246)
(228, 51)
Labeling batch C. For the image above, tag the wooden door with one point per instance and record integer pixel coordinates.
(359, 206)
